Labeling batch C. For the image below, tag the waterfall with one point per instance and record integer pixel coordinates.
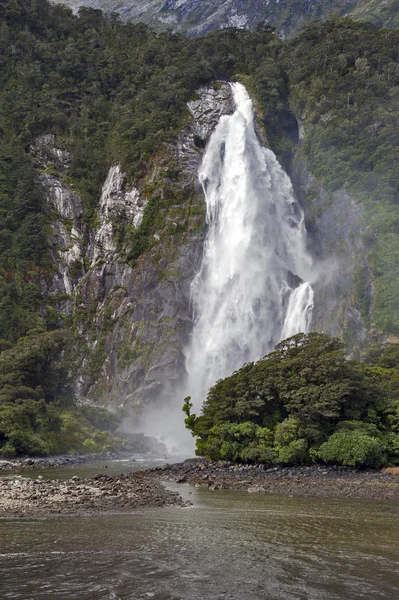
(251, 290)
(299, 311)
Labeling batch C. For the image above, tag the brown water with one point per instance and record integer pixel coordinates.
(229, 545)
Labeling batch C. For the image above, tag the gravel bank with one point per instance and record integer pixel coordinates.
(42, 497)
(299, 481)
(21, 497)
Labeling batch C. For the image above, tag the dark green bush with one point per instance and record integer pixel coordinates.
(303, 402)
(352, 449)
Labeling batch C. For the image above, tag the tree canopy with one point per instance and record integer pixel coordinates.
(305, 401)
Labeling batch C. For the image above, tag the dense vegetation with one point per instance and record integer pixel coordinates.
(110, 92)
(37, 409)
(114, 92)
(344, 83)
(304, 402)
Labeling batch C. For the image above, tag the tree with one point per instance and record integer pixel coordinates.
(295, 399)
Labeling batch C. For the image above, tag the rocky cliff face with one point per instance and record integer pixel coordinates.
(69, 239)
(132, 319)
(197, 17)
(118, 203)
(336, 243)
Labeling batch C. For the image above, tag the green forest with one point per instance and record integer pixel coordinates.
(114, 92)
(303, 403)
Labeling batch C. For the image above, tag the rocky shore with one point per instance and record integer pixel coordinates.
(315, 480)
(23, 497)
(13, 465)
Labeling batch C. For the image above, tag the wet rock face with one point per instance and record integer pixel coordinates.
(69, 234)
(45, 152)
(206, 110)
(148, 304)
(133, 319)
(210, 106)
(117, 204)
(62, 199)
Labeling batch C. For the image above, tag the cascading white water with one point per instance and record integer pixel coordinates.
(299, 311)
(244, 296)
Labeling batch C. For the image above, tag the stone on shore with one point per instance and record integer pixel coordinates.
(38, 497)
(314, 480)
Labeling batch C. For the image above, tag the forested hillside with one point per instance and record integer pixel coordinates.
(114, 93)
(345, 86)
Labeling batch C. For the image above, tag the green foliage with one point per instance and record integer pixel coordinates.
(41, 429)
(190, 419)
(292, 406)
(37, 410)
(239, 442)
(385, 360)
(352, 449)
(100, 418)
(343, 80)
(295, 453)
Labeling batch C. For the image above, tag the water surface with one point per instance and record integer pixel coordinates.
(229, 545)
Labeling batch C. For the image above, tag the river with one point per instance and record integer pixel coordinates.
(230, 545)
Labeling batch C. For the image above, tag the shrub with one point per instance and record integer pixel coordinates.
(295, 453)
(352, 449)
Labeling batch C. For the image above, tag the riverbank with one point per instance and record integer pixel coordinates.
(320, 481)
(25, 497)
(137, 443)
(21, 497)
(16, 465)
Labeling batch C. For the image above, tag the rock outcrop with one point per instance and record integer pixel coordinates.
(69, 237)
(117, 204)
(198, 17)
(46, 152)
(207, 110)
(132, 318)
